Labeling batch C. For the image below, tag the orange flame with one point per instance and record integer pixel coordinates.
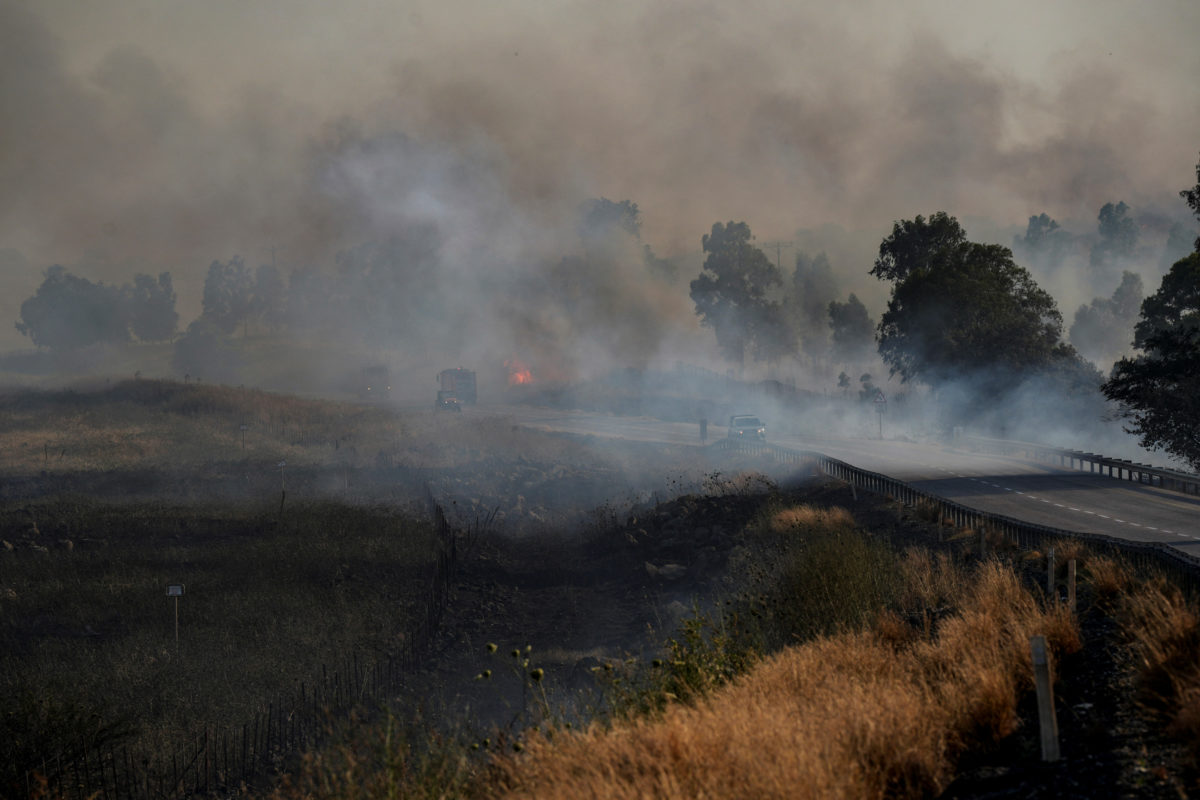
(518, 373)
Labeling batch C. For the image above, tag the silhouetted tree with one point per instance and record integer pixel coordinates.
(812, 288)
(1159, 388)
(866, 394)
(228, 299)
(853, 330)
(69, 312)
(1118, 236)
(600, 217)
(1104, 327)
(270, 296)
(152, 308)
(1192, 198)
(960, 308)
(914, 243)
(1045, 243)
(731, 292)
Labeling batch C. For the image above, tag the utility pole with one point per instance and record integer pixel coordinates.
(778, 252)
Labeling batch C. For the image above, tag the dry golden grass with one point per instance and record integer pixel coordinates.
(847, 716)
(1164, 629)
(930, 580)
(1110, 579)
(807, 517)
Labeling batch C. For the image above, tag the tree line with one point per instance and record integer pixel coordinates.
(958, 310)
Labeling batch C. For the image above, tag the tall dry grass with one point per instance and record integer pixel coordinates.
(1163, 627)
(853, 715)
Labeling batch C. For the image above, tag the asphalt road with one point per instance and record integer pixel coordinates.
(1014, 487)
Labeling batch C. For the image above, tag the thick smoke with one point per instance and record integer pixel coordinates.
(292, 131)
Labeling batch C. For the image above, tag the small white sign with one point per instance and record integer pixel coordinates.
(175, 590)
(879, 398)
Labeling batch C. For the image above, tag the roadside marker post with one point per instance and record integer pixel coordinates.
(176, 590)
(880, 407)
(1047, 719)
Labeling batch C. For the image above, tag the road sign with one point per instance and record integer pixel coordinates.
(175, 590)
(880, 400)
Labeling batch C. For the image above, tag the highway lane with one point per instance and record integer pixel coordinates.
(1031, 491)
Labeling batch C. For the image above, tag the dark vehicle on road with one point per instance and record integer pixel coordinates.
(458, 382)
(747, 426)
(446, 401)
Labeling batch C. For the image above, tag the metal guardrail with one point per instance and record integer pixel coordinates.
(1180, 567)
(1185, 482)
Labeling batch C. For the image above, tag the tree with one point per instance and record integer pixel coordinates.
(1102, 328)
(867, 393)
(600, 217)
(913, 243)
(68, 312)
(152, 308)
(1118, 236)
(1159, 388)
(853, 330)
(270, 296)
(731, 293)
(228, 299)
(960, 308)
(1192, 198)
(813, 287)
(1044, 245)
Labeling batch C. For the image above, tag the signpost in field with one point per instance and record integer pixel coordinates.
(176, 590)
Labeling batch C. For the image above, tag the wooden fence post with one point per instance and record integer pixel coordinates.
(1071, 585)
(1047, 719)
(1050, 590)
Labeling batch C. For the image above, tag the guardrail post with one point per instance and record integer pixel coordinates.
(1050, 590)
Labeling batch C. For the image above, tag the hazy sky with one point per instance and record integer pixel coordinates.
(173, 132)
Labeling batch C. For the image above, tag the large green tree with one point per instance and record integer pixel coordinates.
(915, 243)
(732, 296)
(1159, 387)
(959, 308)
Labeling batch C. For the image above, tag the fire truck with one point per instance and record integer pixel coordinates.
(455, 387)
